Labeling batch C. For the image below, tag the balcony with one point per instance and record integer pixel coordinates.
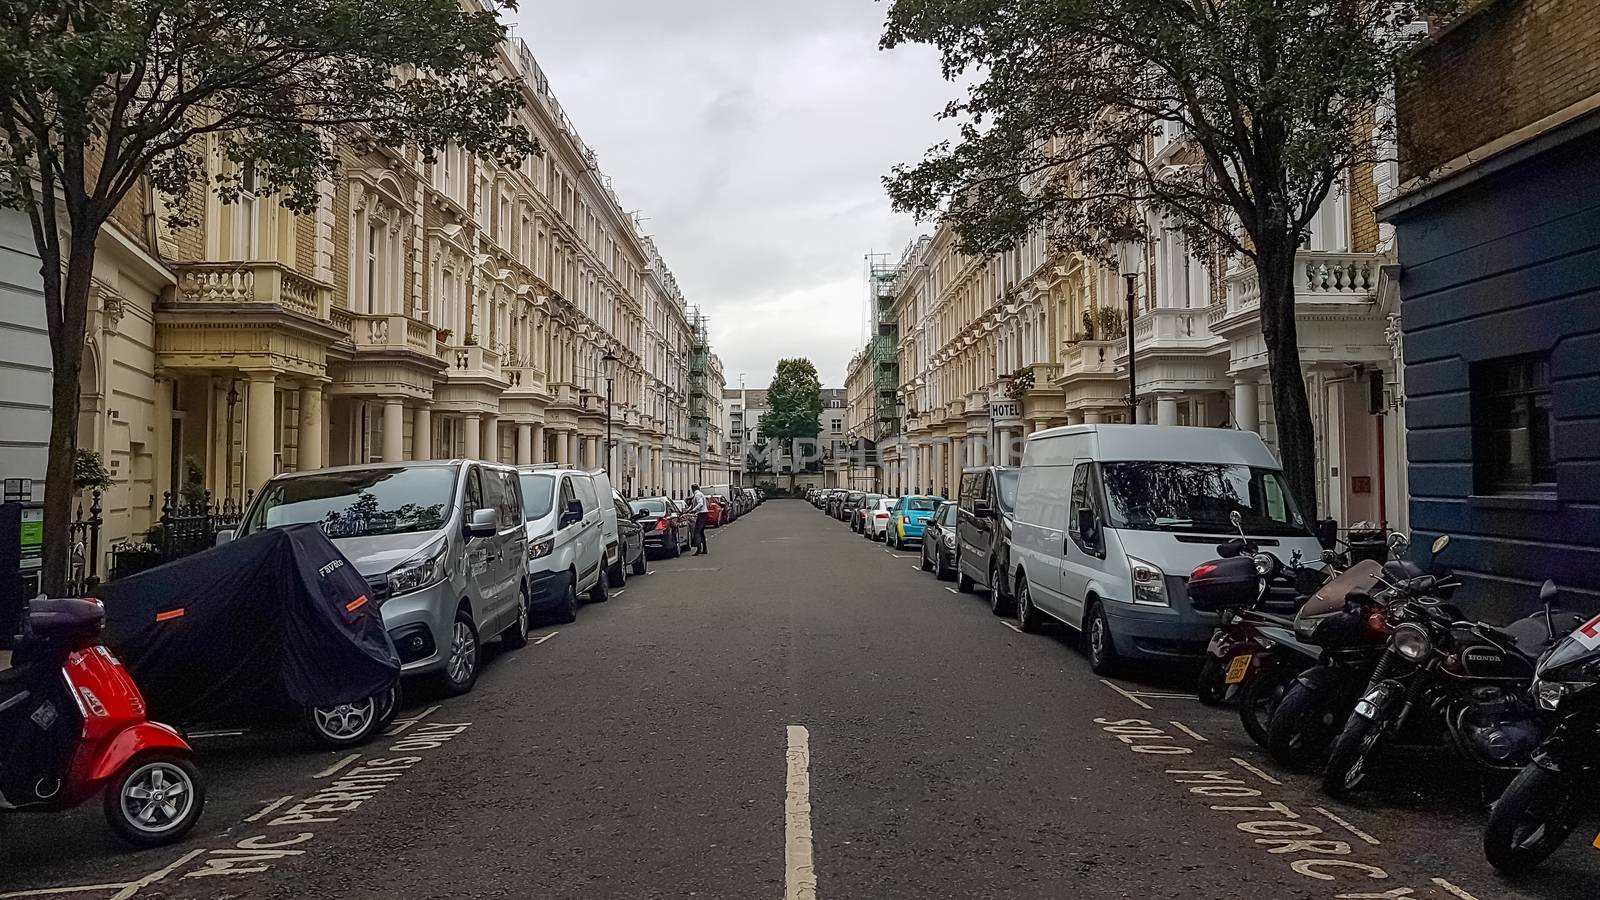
(253, 283)
(474, 361)
(1320, 278)
(388, 333)
(1173, 329)
(524, 380)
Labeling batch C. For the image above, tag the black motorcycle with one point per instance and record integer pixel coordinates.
(1446, 681)
(1541, 808)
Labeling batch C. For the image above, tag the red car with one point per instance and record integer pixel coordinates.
(716, 511)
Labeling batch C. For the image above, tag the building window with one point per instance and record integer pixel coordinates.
(372, 268)
(249, 203)
(1513, 432)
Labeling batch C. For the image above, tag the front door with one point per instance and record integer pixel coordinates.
(1081, 560)
(483, 558)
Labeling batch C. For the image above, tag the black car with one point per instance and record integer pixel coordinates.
(668, 528)
(630, 534)
(939, 541)
(983, 533)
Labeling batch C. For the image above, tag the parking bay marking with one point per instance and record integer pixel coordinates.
(334, 769)
(269, 809)
(1154, 695)
(124, 889)
(1347, 826)
(1011, 625)
(952, 590)
(545, 637)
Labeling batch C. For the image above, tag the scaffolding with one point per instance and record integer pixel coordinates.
(699, 369)
(884, 281)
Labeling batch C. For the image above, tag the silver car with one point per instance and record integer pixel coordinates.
(441, 543)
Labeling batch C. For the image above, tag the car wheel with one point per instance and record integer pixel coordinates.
(569, 606)
(999, 603)
(347, 724)
(601, 592)
(676, 549)
(461, 668)
(515, 637)
(618, 571)
(964, 584)
(155, 799)
(638, 564)
(926, 565)
(941, 571)
(1099, 644)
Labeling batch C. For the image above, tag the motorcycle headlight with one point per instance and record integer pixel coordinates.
(1551, 693)
(542, 548)
(1413, 642)
(424, 570)
(1149, 583)
(1263, 562)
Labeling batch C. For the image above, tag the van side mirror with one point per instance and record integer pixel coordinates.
(982, 509)
(484, 523)
(225, 536)
(1088, 527)
(573, 514)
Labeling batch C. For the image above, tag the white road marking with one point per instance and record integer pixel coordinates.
(952, 590)
(1011, 625)
(1347, 826)
(269, 809)
(1140, 703)
(135, 887)
(918, 568)
(334, 769)
(619, 592)
(546, 637)
(1453, 889)
(400, 725)
(1190, 731)
(651, 572)
(800, 874)
(124, 889)
(80, 889)
(901, 556)
(1245, 765)
(712, 569)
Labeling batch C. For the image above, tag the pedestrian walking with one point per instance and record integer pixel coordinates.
(698, 506)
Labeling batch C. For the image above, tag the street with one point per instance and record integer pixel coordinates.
(797, 698)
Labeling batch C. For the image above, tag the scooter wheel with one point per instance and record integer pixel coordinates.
(1210, 687)
(156, 799)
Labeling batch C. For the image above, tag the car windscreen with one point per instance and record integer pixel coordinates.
(1198, 497)
(538, 494)
(654, 507)
(947, 513)
(1006, 482)
(358, 502)
(921, 504)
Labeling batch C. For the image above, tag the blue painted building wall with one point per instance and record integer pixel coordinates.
(1504, 266)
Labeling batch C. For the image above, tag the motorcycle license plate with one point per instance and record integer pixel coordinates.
(1238, 669)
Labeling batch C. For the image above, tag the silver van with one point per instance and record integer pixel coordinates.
(441, 543)
(566, 539)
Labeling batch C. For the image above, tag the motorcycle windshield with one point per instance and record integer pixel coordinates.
(1363, 576)
(1582, 645)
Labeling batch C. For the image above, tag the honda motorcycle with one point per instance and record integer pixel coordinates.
(72, 725)
(1445, 681)
(1542, 806)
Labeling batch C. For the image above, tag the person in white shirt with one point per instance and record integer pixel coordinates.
(700, 508)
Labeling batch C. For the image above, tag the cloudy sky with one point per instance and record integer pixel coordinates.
(752, 135)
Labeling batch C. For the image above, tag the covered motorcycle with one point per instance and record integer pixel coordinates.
(276, 622)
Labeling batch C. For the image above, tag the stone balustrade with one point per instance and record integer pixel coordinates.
(253, 283)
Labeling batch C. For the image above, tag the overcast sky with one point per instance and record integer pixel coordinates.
(752, 135)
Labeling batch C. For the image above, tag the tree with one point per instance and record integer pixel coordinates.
(794, 405)
(1275, 101)
(102, 97)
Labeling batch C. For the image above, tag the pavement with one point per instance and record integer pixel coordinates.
(798, 714)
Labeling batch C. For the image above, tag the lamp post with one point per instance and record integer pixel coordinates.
(1130, 259)
(608, 367)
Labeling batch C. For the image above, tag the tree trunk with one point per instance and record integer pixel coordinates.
(1290, 407)
(66, 358)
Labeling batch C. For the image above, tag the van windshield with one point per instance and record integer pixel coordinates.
(538, 493)
(1176, 496)
(358, 502)
(1006, 480)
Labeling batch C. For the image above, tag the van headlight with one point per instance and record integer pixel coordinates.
(424, 570)
(542, 548)
(1149, 583)
(1412, 642)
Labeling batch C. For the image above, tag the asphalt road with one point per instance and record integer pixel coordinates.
(678, 741)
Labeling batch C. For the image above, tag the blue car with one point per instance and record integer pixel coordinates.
(907, 518)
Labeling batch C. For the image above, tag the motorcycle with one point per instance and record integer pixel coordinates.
(1541, 807)
(1445, 681)
(73, 725)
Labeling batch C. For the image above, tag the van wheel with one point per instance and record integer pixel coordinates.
(601, 592)
(1029, 619)
(1097, 642)
(461, 667)
(999, 603)
(569, 605)
(515, 637)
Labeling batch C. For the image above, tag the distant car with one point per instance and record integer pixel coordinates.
(719, 512)
(630, 540)
(939, 541)
(723, 492)
(858, 515)
(752, 498)
(907, 519)
(668, 529)
(842, 503)
(875, 519)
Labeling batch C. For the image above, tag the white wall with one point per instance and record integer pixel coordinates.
(24, 356)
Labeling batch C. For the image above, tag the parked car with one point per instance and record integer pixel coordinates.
(668, 528)
(752, 498)
(615, 558)
(875, 518)
(858, 512)
(908, 518)
(725, 493)
(440, 543)
(1143, 506)
(939, 541)
(983, 528)
(719, 511)
(566, 540)
(630, 541)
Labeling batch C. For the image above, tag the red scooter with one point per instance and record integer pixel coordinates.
(72, 725)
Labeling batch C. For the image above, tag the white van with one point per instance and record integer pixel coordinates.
(566, 540)
(1111, 519)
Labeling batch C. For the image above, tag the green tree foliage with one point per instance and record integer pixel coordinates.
(99, 96)
(794, 404)
(1275, 100)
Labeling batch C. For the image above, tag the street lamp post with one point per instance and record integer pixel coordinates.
(608, 366)
(1130, 259)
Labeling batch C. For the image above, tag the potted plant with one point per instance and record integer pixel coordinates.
(1088, 324)
(444, 335)
(1021, 383)
(471, 339)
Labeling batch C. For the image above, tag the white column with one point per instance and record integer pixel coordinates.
(524, 444)
(1092, 417)
(472, 434)
(1002, 455)
(491, 438)
(1166, 409)
(1246, 407)
(422, 432)
(310, 452)
(394, 429)
(572, 459)
(261, 429)
(538, 444)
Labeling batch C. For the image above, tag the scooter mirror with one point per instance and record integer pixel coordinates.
(1237, 521)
